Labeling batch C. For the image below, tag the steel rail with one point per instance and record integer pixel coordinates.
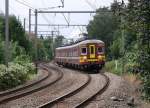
(101, 91)
(48, 104)
(53, 102)
(21, 87)
(22, 94)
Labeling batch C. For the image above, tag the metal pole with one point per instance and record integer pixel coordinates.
(52, 44)
(29, 21)
(123, 50)
(24, 24)
(58, 31)
(36, 53)
(6, 32)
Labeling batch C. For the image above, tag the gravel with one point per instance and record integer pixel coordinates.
(96, 83)
(69, 82)
(117, 95)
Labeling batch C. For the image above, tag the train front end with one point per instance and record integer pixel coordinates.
(92, 54)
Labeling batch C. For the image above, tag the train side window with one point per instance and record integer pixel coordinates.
(84, 51)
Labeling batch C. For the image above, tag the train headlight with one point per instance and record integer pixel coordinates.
(84, 57)
(100, 57)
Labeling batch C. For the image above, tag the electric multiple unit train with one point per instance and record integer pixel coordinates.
(86, 54)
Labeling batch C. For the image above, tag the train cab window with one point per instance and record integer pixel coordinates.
(92, 50)
(99, 49)
(84, 51)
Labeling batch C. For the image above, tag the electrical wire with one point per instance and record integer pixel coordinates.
(91, 5)
(25, 4)
(65, 19)
(62, 1)
(47, 8)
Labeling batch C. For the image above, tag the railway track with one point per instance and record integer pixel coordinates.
(80, 96)
(101, 91)
(70, 82)
(45, 80)
(70, 88)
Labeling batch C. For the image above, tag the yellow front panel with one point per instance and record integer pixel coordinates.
(92, 51)
(92, 60)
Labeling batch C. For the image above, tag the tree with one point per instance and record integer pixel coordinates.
(138, 21)
(103, 27)
(59, 41)
(16, 32)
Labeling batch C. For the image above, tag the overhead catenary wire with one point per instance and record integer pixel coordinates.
(25, 4)
(32, 8)
(44, 15)
(65, 19)
(53, 7)
(91, 5)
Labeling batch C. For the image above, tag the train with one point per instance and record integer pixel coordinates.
(88, 54)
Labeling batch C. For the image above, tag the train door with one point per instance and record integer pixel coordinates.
(92, 51)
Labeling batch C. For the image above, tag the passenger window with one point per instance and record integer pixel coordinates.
(83, 51)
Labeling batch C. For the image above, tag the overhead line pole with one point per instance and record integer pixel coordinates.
(36, 49)
(29, 22)
(6, 32)
(24, 24)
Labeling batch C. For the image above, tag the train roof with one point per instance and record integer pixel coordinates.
(80, 43)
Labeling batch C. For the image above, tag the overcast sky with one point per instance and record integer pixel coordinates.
(69, 5)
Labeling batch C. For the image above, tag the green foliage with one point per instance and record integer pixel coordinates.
(16, 32)
(126, 36)
(25, 61)
(1, 52)
(22, 59)
(103, 27)
(41, 50)
(48, 47)
(115, 47)
(132, 65)
(139, 23)
(15, 50)
(20, 49)
(14, 75)
(58, 41)
(114, 66)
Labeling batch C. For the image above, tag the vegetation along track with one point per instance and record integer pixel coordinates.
(70, 82)
(97, 84)
(47, 78)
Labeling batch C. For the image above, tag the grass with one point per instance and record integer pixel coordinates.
(114, 67)
(32, 76)
(134, 80)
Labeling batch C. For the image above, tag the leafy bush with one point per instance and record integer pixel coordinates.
(114, 66)
(131, 62)
(25, 60)
(15, 74)
(2, 52)
(22, 59)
